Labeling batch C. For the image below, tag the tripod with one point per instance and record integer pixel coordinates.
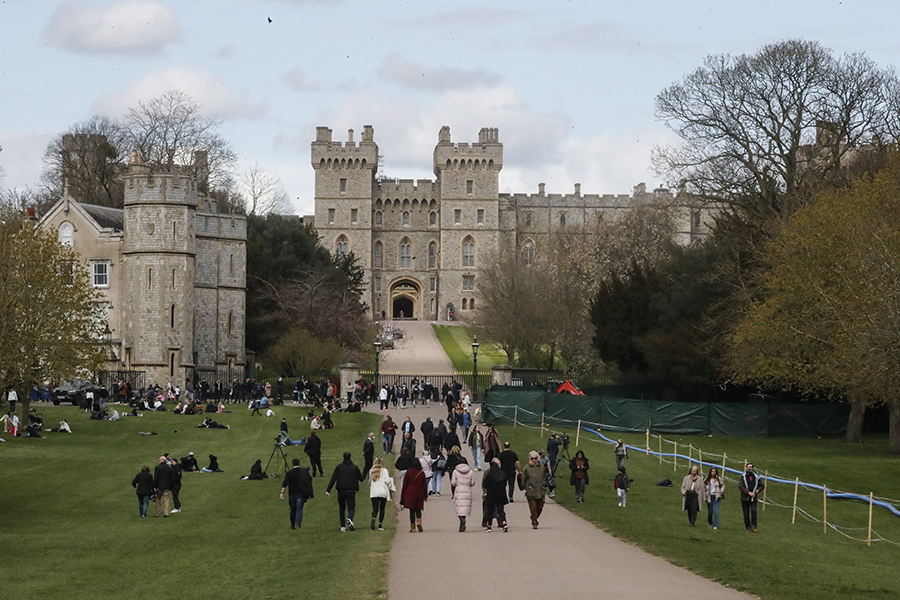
(277, 448)
(563, 455)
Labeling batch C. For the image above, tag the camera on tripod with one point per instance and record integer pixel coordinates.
(565, 441)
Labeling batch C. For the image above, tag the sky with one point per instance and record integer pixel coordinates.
(570, 85)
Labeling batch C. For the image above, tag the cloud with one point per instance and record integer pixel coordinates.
(297, 80)
(218, 100)
(135, 26)
(225, 51)
(417, 76)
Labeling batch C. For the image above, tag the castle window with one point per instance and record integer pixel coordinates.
(528, 252)
(468, 283)
(343, 246)
(469, 183)
(231, 265)
(468, 252)
(696, 216)
(432, 218)
(480, 216)
(465, 304)
(432, 285)
(405, 254)
(230, 323)
(562, 220)
(66, 234)
(171, 364)
(599, 218)
(331, 215)
(432, 255)
(354, 213)
(172, 316)
(378, 217)
(173, 279)
(457, 216)
(150, 278)
(471, 303)
(379, 255)
(100, 273)
(405, 218)
(343, 184)
(528, 218)
(378, 283)
(174, 229)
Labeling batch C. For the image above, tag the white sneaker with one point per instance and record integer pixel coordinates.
(343, 529)
(620, 504)
(175, 510)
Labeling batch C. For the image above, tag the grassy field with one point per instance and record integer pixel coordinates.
(70, 524)
(457, 343)
(782, 561)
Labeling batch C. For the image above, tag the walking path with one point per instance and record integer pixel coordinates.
(567, 557)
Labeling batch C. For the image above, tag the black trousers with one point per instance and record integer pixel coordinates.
(749, 508)
(378, 505)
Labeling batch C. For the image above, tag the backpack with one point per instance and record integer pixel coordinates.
(664, 483)
(440, 463)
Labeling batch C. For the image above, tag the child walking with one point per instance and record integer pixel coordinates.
(622, 485)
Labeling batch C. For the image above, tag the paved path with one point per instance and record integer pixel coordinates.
(567, 557)
(418, 352)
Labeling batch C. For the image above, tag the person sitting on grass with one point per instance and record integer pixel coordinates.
(213, 465)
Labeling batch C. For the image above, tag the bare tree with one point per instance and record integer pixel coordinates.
(262, 193)
(762, 132)
(170, 129)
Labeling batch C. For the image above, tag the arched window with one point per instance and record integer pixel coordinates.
(471, 303)
(378, 217)
(343, 246)
(528, 252)
(468, 252)
(66, 234)
(432, 255)
(379, 255)
(405, 254)
(406, 217)
(562, 220)
(432, 218)
(465, 304)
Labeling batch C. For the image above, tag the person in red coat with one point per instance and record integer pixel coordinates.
(413, 495)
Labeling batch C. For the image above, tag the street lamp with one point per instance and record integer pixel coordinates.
(475, 370)
(377, 345)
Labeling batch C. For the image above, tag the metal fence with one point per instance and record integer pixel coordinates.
(136, 380)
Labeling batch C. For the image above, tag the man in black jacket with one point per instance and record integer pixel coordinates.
(313, 449)
(426, 428)
(368, 454)
(176, 484)
(162, 486)
(509, 464)
(299, 484)
(346, 478)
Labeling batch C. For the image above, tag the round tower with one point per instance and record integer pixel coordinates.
(159, 257)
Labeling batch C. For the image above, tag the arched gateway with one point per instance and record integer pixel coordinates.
(406, 299)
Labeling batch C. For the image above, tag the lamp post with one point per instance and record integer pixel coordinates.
(475, 370)
(377, 346)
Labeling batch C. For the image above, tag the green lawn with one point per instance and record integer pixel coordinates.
(70, 524)
(457, 343)
(782, 561)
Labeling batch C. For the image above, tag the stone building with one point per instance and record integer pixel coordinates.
(422, 243)
(171, 272)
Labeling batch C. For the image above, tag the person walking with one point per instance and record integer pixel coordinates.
(621, 453)
(404, 462)
(692, 492)
(714, 491)
(622, 485)
(143, 486)
(579, 466)
(491, 445)
(368, 454)
(531, 481)
(462, 480)
(476, 441)
(299, 485)
(380, 488)
(162, 486)
(495, 496)
(438, 466)
(751, 487)
(509, 464)
(346, 478)
(176, 484)
(313, 449)
(553, 445)
(413, 495)
(388, 430)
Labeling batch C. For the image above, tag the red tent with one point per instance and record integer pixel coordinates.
(569, 388)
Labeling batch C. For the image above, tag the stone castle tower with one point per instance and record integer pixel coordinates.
(423, 243)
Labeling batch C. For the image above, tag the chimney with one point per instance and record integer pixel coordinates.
(541, 189)
(349, 136)
(577, 189)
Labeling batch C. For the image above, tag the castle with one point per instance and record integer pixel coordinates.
(171, 272)
(423, 243)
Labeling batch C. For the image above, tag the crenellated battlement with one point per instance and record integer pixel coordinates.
(486, 154)
(328, 154)
(146, 185)
(407, 187)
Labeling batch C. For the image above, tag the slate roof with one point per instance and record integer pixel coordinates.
(112, 218)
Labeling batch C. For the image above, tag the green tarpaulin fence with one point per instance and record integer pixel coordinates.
(504, 404)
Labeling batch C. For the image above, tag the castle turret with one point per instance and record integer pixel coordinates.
(159, 257)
